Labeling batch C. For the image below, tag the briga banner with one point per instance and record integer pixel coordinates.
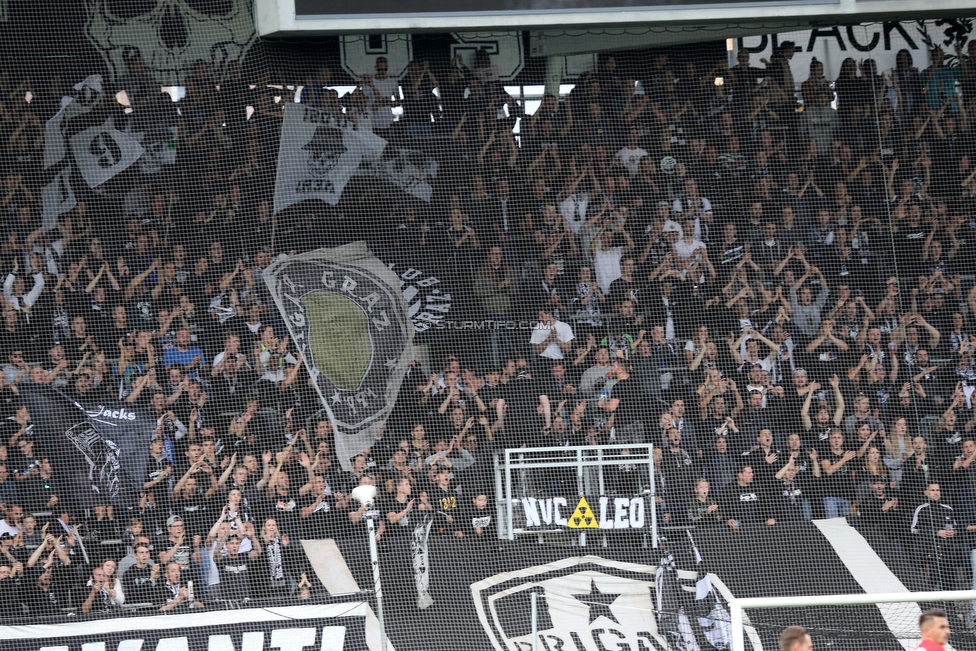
(324, 627)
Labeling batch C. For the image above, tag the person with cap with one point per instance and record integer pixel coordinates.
(176, 547)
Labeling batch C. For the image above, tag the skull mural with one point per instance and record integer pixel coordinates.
(170, 35)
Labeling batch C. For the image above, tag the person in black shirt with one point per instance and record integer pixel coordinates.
(139, 582)
(762, 457)
(680, 466)
(792, 493)
(446, 500)
(235, 568)
(743, 502)
(627, 405)
(399, 509)
(477, 521)
(839, 481)
(880, 511)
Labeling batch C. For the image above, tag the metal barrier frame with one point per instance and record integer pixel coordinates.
(589, 456)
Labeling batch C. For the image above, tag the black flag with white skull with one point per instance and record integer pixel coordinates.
(347, 317)
(317, 156)
(103, 151)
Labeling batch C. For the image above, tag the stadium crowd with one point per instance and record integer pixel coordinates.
(777, 298)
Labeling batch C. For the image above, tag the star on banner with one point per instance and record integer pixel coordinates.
(598, 603)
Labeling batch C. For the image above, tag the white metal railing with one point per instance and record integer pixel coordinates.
(514, 467)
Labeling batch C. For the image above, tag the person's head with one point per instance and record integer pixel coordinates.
(678, 408)
(284, 482)
(836, 439)
(874, 455)
(795, 638)
(141, 554)
(404, 487)
(933, 491)
(919, 445)
(174, 526)
(233, 546)
(877, 483)
(968, 447)
(269, 529)
(864, 431)
(14, 514)
(701, 488)
(934, 626)
(744, 475)
(108, 567)
(674, 437)
(755, 400)
(173, 572)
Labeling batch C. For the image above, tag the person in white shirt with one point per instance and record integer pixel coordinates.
(551, 339)
(607, 249)
(382, 93)
(631, 154)
(687, 246)
(14, 286)
(11, 522)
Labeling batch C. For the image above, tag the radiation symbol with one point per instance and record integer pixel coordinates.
(583, 517)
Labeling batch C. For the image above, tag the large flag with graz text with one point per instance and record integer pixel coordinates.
(347, 316)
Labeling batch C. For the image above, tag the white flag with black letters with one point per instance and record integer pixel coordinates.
(317, 156)
(103, 151)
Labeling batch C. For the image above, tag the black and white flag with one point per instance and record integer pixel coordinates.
(103, 151)
(100, 448)
(347, 316)
(316, 156)
(86, 96)
(421, 560)
(57, 198)
(411, 171)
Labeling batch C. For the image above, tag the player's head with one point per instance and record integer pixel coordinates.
(934, 626)
(795, 638)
